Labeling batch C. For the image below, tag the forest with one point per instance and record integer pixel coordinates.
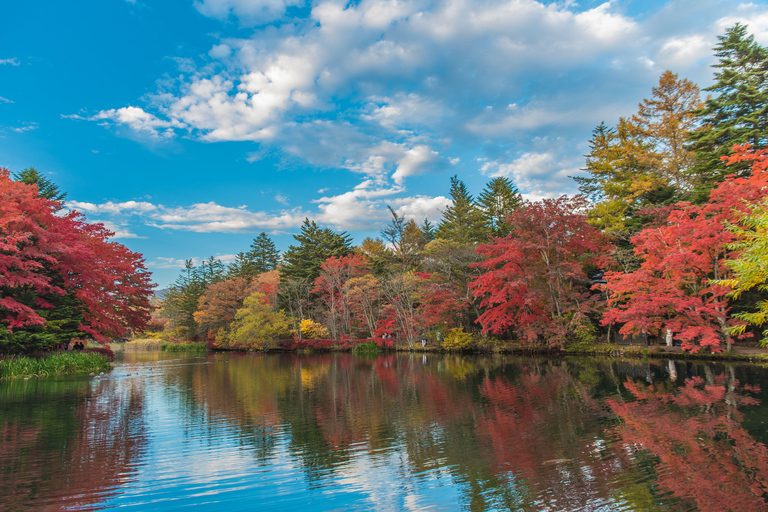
(666, 239)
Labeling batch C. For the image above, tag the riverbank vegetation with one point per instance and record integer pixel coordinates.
(55, 363)
(658, 244)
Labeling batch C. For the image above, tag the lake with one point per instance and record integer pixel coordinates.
(394, 432)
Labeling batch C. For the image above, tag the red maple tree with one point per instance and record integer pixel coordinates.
(45, 255)
(675, 288)
(534, 281)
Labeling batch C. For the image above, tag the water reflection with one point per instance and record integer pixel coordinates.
(395, 432)
(67, 444)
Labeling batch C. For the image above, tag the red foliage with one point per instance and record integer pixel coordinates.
(46, 253)
(696, 433)
(533, 280)
(672, 290)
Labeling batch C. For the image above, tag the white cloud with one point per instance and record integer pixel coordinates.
(12, 61)
(124, 208)
(26, 127)
(5, 100)
(118, 230)
(140, 121)
(248, 11)
(391, 89)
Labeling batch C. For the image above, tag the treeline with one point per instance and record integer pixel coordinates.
(666, 239)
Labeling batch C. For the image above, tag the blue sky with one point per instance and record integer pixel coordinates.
(190, 126)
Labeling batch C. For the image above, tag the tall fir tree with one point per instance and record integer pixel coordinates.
(316, 244)
(263, 255)
(45, 187)
(496, 202)
(737, 113)
(463, 221)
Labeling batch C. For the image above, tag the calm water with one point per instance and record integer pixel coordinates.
(338, 432)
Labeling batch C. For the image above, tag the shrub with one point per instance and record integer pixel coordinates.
(311, 329)
(457, 339)
(368, 347)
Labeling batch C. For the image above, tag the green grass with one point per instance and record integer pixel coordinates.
(184, 347)
(57, 363)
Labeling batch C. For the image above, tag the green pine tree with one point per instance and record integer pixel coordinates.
(737, 113)
(499, 199)
(463, 221)
(316, 244)
(263, 255)
(45, 187)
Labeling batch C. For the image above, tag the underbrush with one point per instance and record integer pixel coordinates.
(55, 363)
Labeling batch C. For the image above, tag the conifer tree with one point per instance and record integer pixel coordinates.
(497, 201)
(738, 111)
(462, 222)
(664, 122)
(45, 187)
(316, 244)
(263, 255)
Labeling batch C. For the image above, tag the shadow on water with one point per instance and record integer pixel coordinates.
(395, 432)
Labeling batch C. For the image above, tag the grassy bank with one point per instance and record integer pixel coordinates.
(56, 363)
(184, 347)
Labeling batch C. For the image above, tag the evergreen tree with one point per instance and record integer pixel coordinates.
(428, 230)
(497, 201)
(738, 112)
(316, 244)
(462, 222)
(263, 255)
(242, 266)
(45, 187)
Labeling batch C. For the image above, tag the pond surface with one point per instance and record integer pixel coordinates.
(395, 432)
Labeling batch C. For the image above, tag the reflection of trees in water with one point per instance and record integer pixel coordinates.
(520, 433)
(695, 431)
(70, 452)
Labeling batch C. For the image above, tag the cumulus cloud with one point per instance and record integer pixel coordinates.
(12, 61)
(139, 121)
(247, 11)
(124, 208)
(392, 89)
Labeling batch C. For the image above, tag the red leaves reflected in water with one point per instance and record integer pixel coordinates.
(74, 465)
(534, 431)
(695, 431)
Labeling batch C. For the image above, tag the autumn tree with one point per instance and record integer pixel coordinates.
(364, 297)
(533, 280)
(405, 239)
(621, 178)
(60, 275)
(749, 270)
(219, 303)
(257, 325)
(664, 121)
(737, 113)
(680, 289)
(496, 202)
(331, 286)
